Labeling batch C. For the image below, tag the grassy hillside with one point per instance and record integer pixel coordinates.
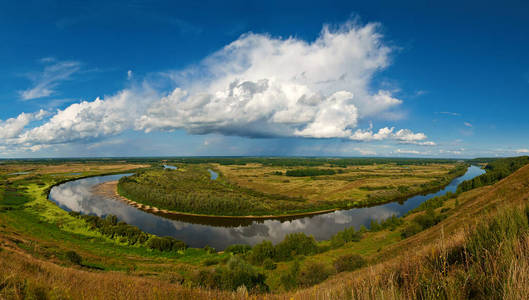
(478, 247)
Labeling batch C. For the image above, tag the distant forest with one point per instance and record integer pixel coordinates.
(267, 161)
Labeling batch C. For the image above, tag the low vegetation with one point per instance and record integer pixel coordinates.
(438, 250)
(243, 190)
(311, 172)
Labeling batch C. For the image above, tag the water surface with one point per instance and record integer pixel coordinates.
(219, 233)
(213, 175)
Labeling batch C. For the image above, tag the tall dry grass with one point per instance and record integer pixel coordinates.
(490, 261)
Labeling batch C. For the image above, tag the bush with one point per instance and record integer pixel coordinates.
(312, 273)
(239, 273)
(427, 220)
(210, 279)
(110, 227)
(349, 262)
(238, 249)
(269, 264)
(209, 249)
(410, 230)
(210, 261)
(165, 244)
(262, 251)
(296, 244)
(345, 236)
(374, 226)
(391, 223)
(74, 257)
(289, 280)
(310, 172)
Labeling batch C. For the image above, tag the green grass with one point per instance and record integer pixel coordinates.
(190, 190)
(51, 231)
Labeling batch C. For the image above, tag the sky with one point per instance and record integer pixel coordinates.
(283, 78)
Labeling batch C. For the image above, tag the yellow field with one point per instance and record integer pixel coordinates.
(355, 183)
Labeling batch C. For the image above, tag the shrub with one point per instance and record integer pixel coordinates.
(210, 250)
(238, 249)
(239, 273)
(165, 244)
(210, 279)
(310, 172)
(312, 273)
(269, 264)
(349, 262)
(210, 261)
(296, 244)
(345, 236)
(289, 280)
(392, 223)
(74, 257)
(109, 226)
(262, 251)
(428, 219)
(410, 230)
(374, 226)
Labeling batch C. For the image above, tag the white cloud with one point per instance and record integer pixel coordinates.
(467, 124)
(256, 86)
(45, 82)
(12, 127)
(520, 151)
(452, 152)
(450, 113)
(129, 74)
(264, 86)
(364, 151)
(425, 143)
(408, 151)
(403, 136)
(90, 120)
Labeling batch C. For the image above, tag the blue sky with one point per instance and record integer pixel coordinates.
(370, 78)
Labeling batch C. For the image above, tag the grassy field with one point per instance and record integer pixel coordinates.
(477, 249)
(258, 189)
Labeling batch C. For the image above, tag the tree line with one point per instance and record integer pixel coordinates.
(125, 233)
(496, 171)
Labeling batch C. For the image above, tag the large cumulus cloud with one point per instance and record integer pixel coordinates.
(257, 86)
(264, 86)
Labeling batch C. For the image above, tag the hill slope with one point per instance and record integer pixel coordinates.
(430, 264)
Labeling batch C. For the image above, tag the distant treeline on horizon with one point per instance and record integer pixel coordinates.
(269, 161)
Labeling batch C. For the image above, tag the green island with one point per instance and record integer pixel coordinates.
(480, 229)
(280, 187)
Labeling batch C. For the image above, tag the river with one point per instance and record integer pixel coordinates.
(219, 233)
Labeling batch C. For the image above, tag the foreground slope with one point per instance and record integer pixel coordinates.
(429, 264)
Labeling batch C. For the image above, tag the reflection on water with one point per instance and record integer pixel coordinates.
(213, 175)
(219, 233)
(170, 167)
